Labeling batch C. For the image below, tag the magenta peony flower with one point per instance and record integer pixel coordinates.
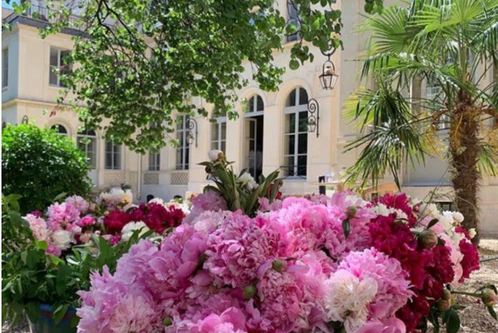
(86, 221)
(470, 261)
(116, 220)
(53, 250)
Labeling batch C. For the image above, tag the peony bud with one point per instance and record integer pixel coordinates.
(489, 297)
(215, 155)
(351, 212)
(278, 265)
(458, 217)
(472, 232)
(443, 304)
(446, 294)
(167, 321)
(249, 291)
(427, 239)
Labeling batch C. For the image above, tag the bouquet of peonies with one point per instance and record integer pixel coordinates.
(316, 264)
(113, 217)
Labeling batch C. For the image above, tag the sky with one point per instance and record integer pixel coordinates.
(5, 5)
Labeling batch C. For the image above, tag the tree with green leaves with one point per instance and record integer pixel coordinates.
(453, 45)
(140, 61)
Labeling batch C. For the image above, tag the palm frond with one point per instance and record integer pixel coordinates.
(488, 159)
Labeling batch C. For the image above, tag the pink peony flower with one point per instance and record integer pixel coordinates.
(239, 246)
(38, 227)
(392, 325)
(61, 216)
(232, 320)
(392, 281)
(53, 250)
(209, 200)
(79, 203)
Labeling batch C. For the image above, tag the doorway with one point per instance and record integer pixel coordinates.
(254, 145)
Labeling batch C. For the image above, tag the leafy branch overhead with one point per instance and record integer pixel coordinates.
(140, 61)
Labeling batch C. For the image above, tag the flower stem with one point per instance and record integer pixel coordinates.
(466, 293)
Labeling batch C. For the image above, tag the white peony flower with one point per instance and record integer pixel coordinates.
(76, 230)
(247, 181)
(347, 299)
(214, 155)
(458, 217)
(130, 228)
(62, 239)
(472, 232)
(429, 209)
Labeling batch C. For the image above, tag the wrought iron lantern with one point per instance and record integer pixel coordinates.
(192, 131)
(313, 117)
(24, 120)
(328, 78)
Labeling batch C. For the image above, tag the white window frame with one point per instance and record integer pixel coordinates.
(116, 156)
(182, 131)
(5, 67)
(296, 110)
(154, 161)
(55, 69)
(254, 112)
(93, 138)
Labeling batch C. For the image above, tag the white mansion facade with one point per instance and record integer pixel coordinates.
(272, 134)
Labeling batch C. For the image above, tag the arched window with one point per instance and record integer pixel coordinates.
(87, 141)
(255, 104)
(296, 133)
(182, 150)
(60, 129)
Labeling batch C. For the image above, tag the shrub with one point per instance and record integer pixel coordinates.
(39, 164)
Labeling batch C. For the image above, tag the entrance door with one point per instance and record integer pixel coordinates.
(254, 145)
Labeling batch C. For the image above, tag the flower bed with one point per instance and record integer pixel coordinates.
(318, 264)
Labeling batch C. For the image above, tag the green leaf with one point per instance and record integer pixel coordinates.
(432, 223)
(293, 64)
(33, 311)
(452, 320)
(492, 312)
(60, 196)
(346, 226)
(59, 312)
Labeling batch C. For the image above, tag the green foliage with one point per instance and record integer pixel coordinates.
(30, 277)
(237, 190)
(146, 59)
(444, 42)
(39, 165)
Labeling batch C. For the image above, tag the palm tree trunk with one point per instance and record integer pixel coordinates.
(464, 149)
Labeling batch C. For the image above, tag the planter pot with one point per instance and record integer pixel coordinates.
(46, 324)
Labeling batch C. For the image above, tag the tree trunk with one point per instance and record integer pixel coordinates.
(464, 149)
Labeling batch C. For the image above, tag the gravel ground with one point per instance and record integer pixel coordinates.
(474, 318)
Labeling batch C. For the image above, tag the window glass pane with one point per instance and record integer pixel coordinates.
(250, 105)
(291, 10)
(214, 132)
(303, 96)
(301, 165)
(5, 67)
(63, 57)
(53, 77)
(290, 144)
(59, 129)
(290, 123)
(179, 158)
(291, 99)
(187, 155)
(54, 57)
(302, 145)
(290, 165)
(303, 121)
(223, 146)
(108, 160)
(260, 106)
(223, 131)
(214, 145)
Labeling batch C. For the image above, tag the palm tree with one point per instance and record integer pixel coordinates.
(453, 45)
